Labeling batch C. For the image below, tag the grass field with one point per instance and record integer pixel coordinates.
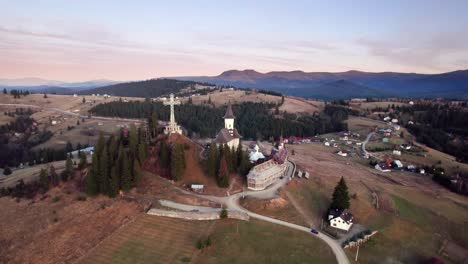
(261, 242)
(151, 239)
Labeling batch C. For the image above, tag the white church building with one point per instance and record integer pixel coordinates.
(229, 134)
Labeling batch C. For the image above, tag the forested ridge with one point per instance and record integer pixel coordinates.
(253, 120)
(148, 88)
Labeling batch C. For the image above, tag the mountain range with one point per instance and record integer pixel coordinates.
(51, 86)
(340, 85)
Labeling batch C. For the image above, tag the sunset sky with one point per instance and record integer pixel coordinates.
(131, 40)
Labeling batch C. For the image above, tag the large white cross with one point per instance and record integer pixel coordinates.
(172, 126)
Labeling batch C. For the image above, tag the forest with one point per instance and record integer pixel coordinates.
(148, 88)
(440, 126)
(253, 120)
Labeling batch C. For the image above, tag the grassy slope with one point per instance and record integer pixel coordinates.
(261, 242)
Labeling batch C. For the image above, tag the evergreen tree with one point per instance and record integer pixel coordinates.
(69, 147)
(340, 199)
(84, 100)
(103, 179)
(212, 161)
(68, 169)
(153, 125)
(133, 141)
(54, 177)
(209, 99)
(126, 174)
(7, 171)
(91, 181)
(5, 91)
(177, 162)
(44, 179)
(141, 153)
(45, 95)
(83, 160)
(114, 182)
(164, 154)
(223, 174)
(190, 100)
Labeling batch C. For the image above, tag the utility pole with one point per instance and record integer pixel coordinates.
(357, 253)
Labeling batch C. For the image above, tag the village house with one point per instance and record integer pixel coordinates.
(342, 153)
(396, 152)
(340, 219)
(397, 164)
(383, 167)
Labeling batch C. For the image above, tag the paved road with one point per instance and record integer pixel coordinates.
(364, 143)
(232, 203)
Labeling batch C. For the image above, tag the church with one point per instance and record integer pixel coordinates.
(229, 134)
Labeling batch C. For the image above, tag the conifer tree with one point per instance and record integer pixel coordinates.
(91, 181)
(223, 174)
(114, 182)
(212, 161)
(44, 179)
(340, 199)
(68, 169)
(141, 153)
(153, 125)
(177, 162)
(126, 174)
(133, 141)
(104, 171)
(164, 155)
(83, 161)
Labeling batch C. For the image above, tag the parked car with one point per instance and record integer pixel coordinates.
(314, 231)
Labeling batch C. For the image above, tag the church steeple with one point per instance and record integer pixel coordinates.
(229, 118)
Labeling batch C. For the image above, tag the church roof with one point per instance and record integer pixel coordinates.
(229, 113)
(224, 136)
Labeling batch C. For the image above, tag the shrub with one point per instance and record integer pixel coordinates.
(200, 244)
(7, 171)
(208, 242)
(223, 214)
(56, 199)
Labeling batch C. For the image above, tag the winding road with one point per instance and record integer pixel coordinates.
(364, 143)
(232, 203)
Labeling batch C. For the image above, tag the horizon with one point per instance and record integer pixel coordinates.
(145, 40)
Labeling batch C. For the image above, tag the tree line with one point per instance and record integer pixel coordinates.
(253, 120)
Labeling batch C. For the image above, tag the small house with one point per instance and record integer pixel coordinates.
(410, 122)
(385, 140)
(306, 175)
(394, 120)
(397, 164)
(383, 167)
(299, 173)
(387, 118)
(342, 153)
(327, 143)
(344, 137)
(198, 188)
(397, 152)
(340, 219)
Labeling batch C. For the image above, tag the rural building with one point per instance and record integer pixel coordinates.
(396, 152)
(198, 188)
(383, 167)
(229, 134)
(266, 173)
(256, 155)
(340, 219)
(342, 153)
(397, 164)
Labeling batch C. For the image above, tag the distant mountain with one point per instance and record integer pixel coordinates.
(51, 86)
(320, 84)
(149, 88)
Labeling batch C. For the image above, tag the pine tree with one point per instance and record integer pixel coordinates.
(141, 153)
(133, 141)
(340, 199)
(91, 181)
(44, 179)
(83, 161)
(177, 162)
(84, 100)
(114, 182)
(126, 174)
(68, 169)
(103, 179)
(164, 155)
(212, 161)
(153, 125)
(5, 91)
(190, 100)
(223, 174)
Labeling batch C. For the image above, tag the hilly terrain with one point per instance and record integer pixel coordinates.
(148, 88)
(38, 85)
(347, 84)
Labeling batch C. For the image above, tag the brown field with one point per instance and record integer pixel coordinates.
(4, 119)
(57, 228)
(291, 104)
(415, 216)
